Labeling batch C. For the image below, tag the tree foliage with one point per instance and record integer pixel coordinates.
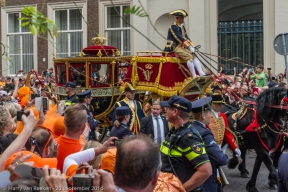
(36, 20)
(135, 11)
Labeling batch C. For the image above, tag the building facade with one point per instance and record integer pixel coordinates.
(79, 21)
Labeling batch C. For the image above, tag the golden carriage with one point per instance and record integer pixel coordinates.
(103, 70)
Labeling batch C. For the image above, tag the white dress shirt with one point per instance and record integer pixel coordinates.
(155, 128)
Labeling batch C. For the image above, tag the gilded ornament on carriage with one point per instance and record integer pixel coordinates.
(99, 40)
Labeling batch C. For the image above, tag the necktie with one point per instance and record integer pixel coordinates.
(158, 132)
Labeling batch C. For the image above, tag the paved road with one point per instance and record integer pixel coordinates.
(237, 183)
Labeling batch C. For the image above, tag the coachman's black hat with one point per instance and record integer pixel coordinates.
(179, 12)
(129, 87)
(201, 105)
(178, 102)
(217, 99)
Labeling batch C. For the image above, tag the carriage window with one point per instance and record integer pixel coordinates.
(77, 75)
(61, 74)
(100, 74)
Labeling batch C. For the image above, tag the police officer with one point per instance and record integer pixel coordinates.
(183, 152)
(70, 91)
(201, 113)
(120, 128)
(85, 99)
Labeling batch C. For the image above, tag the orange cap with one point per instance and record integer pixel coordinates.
(59, 127)
(108, 160)
(38, 161)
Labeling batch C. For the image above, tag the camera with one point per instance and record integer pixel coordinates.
(250, 70)
(45, 104)
(116, 142)
(83, 182)
(33, 95)
(269, 69)
(20, 113)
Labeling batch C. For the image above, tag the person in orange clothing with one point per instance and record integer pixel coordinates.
(75, 117)
(219, 125)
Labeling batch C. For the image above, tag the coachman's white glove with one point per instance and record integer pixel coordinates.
(192, 49)
(238, 152)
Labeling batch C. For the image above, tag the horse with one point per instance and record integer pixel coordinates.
(238, 120)
(267, 135)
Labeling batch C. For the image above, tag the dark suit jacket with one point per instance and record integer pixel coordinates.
(147, 126)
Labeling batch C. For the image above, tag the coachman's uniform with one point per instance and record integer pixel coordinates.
(219, 125)
(179, 43)
(220, 129)
(136, 112)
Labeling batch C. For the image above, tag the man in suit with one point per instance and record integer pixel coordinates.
(136, 112)
(154, 124)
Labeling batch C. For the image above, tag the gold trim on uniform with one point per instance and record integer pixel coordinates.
(217, 127)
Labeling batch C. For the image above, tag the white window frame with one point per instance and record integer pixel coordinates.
(51, 15)
(4, 34)
(103, 4)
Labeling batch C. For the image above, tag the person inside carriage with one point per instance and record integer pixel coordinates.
(179, 43)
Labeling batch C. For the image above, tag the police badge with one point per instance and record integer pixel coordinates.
(197, 147)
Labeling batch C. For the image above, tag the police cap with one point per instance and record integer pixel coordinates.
(84, 94)
(70, 84)
(178, 102)
(122, 111)
(201, 105)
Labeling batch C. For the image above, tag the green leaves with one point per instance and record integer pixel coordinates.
(135, 11)
(36, 20)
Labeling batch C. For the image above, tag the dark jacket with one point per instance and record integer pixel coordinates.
(147, 126)
(120, 131)
(92, 123)
(216, 156)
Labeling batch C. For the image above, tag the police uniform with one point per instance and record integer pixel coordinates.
(92, 123)
(183, 149)
(216, 156)
(123, 129)
(72, 99)
(136, 112)
(178, 42)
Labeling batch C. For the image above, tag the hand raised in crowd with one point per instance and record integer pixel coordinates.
(103, 181)
(17, 161)
(107, 144)
(55, 179)
(30, 103)
(16, 81)
(55, 150)
(29, 121)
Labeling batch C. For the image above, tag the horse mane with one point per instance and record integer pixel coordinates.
(271, 96)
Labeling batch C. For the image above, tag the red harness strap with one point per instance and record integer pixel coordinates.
(265, 146)
(254, 125)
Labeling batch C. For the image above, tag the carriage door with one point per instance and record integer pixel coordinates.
(240, 34)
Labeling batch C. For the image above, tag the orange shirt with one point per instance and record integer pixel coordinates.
(66, 147)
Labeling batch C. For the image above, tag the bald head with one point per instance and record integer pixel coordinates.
(137, 161)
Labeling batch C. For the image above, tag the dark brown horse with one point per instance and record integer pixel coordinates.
(267, 137)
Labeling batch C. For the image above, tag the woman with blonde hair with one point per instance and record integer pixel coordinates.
(120, 128)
